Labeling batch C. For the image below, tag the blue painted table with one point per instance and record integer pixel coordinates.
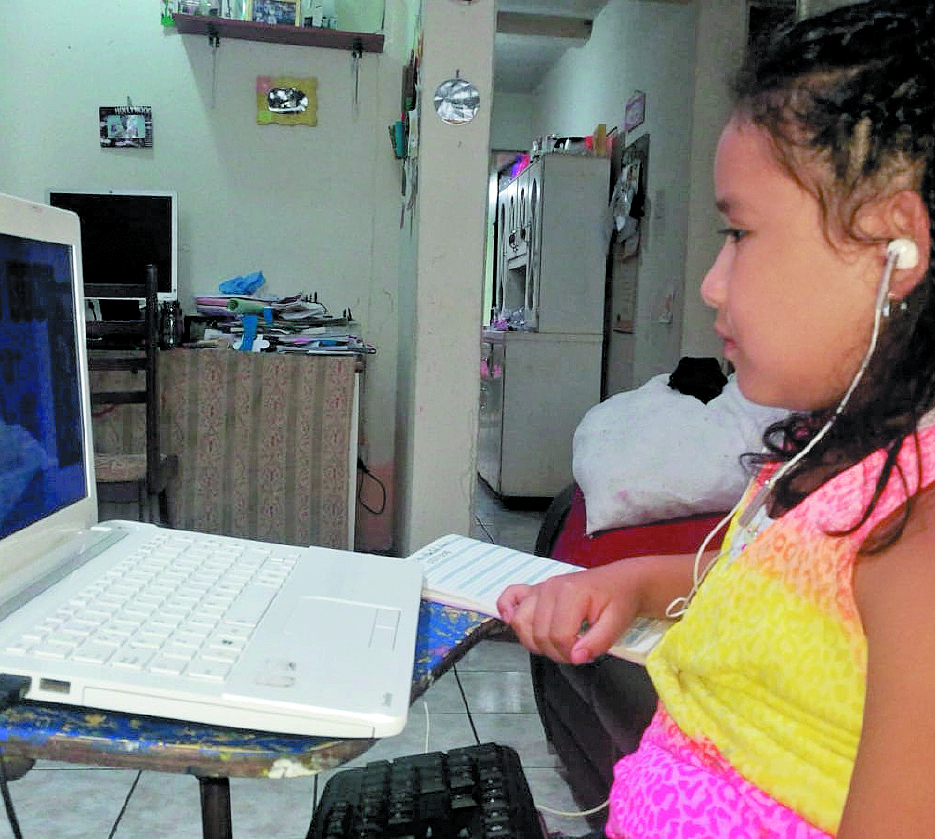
(101, 738)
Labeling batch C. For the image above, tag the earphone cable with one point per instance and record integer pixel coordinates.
(678, 606)
(767, 488)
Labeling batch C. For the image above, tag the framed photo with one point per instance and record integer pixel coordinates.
(636, 111)
(279, 12)
(127, 127)
(286, 100)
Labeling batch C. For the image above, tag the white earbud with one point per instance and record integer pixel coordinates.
(905, 252)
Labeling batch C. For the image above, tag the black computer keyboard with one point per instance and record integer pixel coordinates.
(478, 792)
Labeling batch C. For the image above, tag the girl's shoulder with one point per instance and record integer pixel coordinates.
(894, 590)
(841, 504)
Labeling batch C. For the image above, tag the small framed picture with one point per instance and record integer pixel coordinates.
(279, 12)
(635, 111)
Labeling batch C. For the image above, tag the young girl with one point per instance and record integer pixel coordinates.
(797, 692)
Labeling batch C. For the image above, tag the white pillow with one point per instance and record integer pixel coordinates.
(653, 453)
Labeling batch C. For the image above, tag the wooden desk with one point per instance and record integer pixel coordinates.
(266, 443)
(213, 755)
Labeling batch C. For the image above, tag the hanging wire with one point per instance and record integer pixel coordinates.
(356, 52)
(214, 39)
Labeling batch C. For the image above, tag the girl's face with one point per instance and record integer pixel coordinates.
(795, 311)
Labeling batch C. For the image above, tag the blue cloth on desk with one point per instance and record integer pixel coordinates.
(243, 285)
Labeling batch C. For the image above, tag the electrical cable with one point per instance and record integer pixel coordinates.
(12, 690)
(574, 814)
(466, 706)
(678, 606)
(8, 801)
(356, 53)
(428, 721)
(366, 473)
(214, 39)
(126, 803)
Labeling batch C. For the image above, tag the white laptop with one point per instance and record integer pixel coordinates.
(216, 630)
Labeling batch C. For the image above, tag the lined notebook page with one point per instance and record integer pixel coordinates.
(465, 572)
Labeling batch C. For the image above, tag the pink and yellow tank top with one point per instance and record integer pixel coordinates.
(762, 682)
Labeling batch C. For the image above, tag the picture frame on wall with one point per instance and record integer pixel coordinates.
(635, 114)
(277, 12)
(126, 127)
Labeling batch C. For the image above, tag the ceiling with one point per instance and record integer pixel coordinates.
(533, 34)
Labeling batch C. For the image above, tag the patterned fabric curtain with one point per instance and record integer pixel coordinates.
(262, 440)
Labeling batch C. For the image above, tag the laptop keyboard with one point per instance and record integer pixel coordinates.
(477, 792)
(182, 604)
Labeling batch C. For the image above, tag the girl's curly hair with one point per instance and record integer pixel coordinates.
(848, 101)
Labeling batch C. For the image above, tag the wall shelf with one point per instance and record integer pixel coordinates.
(246, 30)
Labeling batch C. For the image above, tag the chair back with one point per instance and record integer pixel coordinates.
(130, 346)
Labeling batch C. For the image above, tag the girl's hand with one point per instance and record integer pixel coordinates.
(572, 618)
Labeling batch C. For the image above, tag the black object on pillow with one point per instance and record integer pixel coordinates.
(698, 377)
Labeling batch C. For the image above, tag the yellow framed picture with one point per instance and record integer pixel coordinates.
(278, 12)
(286, 100)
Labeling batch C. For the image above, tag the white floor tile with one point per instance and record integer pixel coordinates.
(493, 655)
(63, 803)
(498, 693)
(163, 805)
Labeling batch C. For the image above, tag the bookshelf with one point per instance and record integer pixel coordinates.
(306, 36)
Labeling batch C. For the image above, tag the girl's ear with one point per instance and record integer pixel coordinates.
(905, 216)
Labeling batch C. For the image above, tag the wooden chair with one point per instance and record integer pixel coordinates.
(126, 348)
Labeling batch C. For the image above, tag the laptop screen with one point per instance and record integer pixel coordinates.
(46, 462)
(41, 458)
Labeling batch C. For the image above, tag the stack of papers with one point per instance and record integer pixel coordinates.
(291, 309)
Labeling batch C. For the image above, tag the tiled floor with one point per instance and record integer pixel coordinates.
(56, 801)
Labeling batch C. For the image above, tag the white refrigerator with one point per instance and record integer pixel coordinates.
(539, 377)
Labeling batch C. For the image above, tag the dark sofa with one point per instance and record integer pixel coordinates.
(594, 714)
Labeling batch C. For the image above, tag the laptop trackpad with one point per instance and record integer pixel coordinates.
(361, 625)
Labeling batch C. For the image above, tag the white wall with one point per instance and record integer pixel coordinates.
(316, 209)
(440, 285)
(681, 55)
(512, 122)
(334, 190)
(720, 40)
(646, 46)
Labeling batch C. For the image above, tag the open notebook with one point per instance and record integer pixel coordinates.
(130, 617)
(471, 574)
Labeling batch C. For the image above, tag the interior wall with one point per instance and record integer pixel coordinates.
(682, 57)
(720, 39)
(512, 122)
(438, 410)
(638, 46)
(315, 209)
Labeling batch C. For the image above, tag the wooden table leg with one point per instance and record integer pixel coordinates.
(216, 822)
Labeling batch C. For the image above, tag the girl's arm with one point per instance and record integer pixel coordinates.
(892, 791)
(549, 618)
